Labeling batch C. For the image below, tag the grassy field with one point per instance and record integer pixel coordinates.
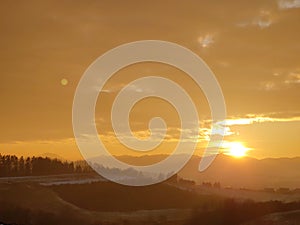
(282, 218)
(106, 203)
(30, 203)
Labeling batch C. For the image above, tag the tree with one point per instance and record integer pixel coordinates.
(21, 171)
(28, 166)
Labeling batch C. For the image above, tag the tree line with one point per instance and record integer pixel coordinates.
(11, 165)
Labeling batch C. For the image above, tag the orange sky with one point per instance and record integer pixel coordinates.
(252, 47)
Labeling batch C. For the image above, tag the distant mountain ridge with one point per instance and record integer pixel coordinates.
(247, 172)
(243, 172)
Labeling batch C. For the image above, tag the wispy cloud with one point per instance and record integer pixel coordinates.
(293, 78)
(288, 4)
(220, 128)
(206, 40)
(226, 125)
(268, 85)
(129, 87)
(263, 20)
(281, 80)
(251, 119)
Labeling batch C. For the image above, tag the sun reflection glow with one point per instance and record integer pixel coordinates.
(236, 149)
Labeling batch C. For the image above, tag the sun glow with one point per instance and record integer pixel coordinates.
(236, 149)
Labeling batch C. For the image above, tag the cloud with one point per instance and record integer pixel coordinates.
(263, 23)
(293, 78)
(268, 85)
(263, 20)
(260, 118)
(246, 120)
(206, 40)
(288, 4)
(281, 80)
(129, 87)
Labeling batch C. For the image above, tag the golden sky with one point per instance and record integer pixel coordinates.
(252, 47)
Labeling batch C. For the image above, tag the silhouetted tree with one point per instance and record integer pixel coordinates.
(21, 171)
(28, 166)
(11, 165)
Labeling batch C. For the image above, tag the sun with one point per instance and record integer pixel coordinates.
(236, 149)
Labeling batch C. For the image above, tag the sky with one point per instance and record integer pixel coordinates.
(252, 47)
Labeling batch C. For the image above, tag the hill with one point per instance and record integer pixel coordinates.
(243, 172)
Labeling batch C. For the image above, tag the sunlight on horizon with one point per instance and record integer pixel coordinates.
(236, 149)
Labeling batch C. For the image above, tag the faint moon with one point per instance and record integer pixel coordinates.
(64, 82)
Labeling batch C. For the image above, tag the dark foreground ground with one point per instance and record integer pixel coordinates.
(107, 203)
